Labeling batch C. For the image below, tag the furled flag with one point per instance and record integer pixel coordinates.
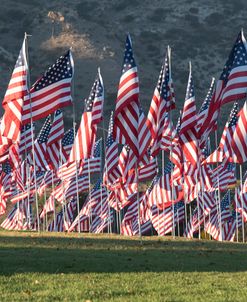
(55, 154)
(239, 141)
(111, 170)
(188, 132)
(162, 101)
(234, 75)
(51, 92)
(203, 114)
(225, 149)
(14, 97)
(126, 117)
(92, 115)
(40, 147)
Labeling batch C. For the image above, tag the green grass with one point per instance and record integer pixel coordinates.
(61, 267)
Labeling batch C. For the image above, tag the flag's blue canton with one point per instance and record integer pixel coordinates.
(96, 92)
(206, 150)
(233, 115)
(97, 186)
(178, 205)
(153, 183)
(7, 167)
(208, 99)
(44, 132)
(26, 127)
(57, 112)
(97, 148)
(190, 89)
(129, 61)
(237, 58)
(230, 166)
(21, 59)
(40, 173)
(168, 167)
(225, 202)
(68, 138)
(178, 126)
(163, 81)
(110, 140)
(62, 69)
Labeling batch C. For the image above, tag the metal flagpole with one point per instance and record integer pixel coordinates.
(170, 117)
(31, 120)
(54, 212)
(76, 162)
(138, 201)
(241, 197)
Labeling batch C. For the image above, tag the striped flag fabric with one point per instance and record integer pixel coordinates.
(40, 147)
(239, 141)
(233, 77)
(92, 115)
(126, 119)
(55, 154)
(162, 101)
(14, 98)
(52, 91)
(111, 170)
(188, 132)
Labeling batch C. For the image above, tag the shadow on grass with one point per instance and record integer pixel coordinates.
(101, 255)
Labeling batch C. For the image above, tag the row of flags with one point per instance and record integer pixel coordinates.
(57, 167)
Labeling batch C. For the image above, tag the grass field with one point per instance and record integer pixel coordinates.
(61, 267)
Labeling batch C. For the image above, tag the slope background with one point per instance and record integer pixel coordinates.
(200, 31)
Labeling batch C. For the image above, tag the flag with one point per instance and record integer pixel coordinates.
(234, 76)
(92, 115)
(239, 141)
(40, 147)
(51, 92)
(14, 97)
(55, 153)
(162, 101)
(126, 119)
(188, 132)
(111, 171)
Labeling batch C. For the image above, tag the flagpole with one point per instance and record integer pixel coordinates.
(76, 162)
(241, 197)
(106, 167)
(54, 212)
(138, 201)
(31, 119)
(170, 117)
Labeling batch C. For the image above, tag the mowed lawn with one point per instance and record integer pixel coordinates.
(62, 267)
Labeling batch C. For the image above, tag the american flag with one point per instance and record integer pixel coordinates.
(224, 176)
(40, 147)
(162, 101)
(225, 211)
(204, 112)
(55, 153)
(232, 84)
(169, 133)
(188, 132)
(52, 91)
(239, 141)
(25, 144)
(126, 119)
(233, 77)
(13, 99)
(68, 140)
(92, 115)
(111, 171)
(227, 136)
